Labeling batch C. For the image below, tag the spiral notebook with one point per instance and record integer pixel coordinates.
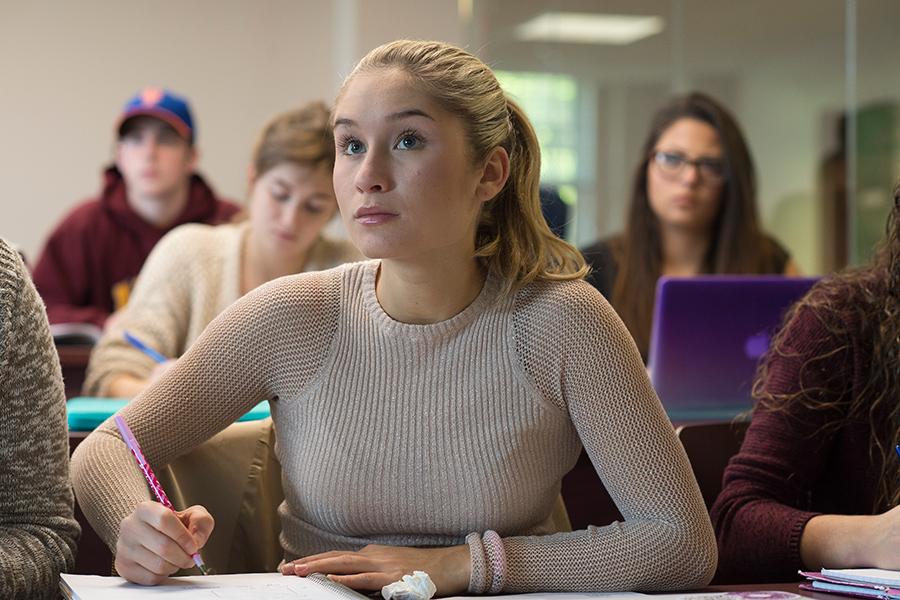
(251, 586)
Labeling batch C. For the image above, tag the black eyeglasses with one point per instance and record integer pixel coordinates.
(672, 164)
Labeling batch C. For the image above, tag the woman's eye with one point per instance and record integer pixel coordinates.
(279, 195)
(409, 142)
(671, 159)
(351, 146)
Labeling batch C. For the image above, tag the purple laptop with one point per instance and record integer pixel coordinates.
(708, 335)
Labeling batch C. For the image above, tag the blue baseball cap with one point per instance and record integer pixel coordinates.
(163, 105)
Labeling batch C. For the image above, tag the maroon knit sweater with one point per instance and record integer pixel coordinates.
(790, 467)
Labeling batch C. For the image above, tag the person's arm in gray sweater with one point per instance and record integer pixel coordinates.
(38, 531)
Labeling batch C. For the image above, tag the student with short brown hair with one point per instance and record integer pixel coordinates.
(197, 270)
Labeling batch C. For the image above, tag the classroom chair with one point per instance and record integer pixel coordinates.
(709, 447)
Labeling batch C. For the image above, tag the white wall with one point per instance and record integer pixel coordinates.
(67, 68)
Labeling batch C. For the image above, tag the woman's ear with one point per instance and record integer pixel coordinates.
(494, 174)
(251, 179)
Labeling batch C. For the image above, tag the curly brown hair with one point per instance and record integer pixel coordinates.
(860, 305)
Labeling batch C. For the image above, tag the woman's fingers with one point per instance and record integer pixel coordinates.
(341, 563)
(364, 581)
(136, 573)
(198, 523)
(170, 525)
(152, 530)
(155, 542)
(375, 566)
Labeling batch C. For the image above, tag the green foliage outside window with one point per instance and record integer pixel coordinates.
(551, 102)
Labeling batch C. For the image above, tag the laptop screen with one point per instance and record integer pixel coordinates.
(708, 335)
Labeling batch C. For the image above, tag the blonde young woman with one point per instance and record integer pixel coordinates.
(427, 402)
(196, 271)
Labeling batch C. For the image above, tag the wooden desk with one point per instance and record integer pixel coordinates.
(74, 361)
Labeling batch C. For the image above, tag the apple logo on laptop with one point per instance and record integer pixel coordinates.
(756, 345)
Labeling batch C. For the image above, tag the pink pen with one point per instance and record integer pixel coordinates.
(135, 448)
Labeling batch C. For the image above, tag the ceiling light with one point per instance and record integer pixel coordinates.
(589, 28)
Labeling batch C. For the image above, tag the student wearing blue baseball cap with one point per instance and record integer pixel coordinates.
(90, 260)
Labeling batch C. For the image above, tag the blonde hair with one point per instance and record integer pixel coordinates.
(512, 240)
(303, 136)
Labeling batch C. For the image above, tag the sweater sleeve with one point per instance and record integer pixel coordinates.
(61, 276)
(273, 335)
(761, 512)
(582, 359)
(158, 312)
(38, 531)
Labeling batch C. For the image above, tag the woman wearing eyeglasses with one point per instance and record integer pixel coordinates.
(693, 211)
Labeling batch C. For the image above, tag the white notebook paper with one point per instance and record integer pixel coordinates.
(876, 576)
(251, 586)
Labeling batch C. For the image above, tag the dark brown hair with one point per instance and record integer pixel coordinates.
(858, 307)
(738, 244)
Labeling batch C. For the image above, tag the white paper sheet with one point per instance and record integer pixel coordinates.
(253, 586)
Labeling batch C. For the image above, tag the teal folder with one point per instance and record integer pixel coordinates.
(86, 413)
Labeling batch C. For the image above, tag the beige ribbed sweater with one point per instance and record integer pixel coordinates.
(191, 276)
(418, 435)
(37, 528)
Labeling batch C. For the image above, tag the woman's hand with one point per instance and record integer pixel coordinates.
(374, 567)
(848, 541)
(154, 542)
(882, 542)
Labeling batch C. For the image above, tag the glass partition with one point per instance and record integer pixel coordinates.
(812, 83)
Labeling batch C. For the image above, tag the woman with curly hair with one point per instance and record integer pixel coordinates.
(817, 481)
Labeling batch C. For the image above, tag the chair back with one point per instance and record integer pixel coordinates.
(709, 447)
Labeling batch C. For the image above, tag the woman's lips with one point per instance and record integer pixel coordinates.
(373, 215)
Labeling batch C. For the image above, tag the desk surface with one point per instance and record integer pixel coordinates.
(772, 587)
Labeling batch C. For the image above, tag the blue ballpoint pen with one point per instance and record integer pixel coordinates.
(137, 343)
(897, 448)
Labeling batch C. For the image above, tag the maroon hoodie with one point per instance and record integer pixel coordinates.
(89, 263)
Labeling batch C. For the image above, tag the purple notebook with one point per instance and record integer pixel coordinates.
(708, 335)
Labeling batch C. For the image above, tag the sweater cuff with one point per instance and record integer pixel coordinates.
(488, 559)
(796, 533)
